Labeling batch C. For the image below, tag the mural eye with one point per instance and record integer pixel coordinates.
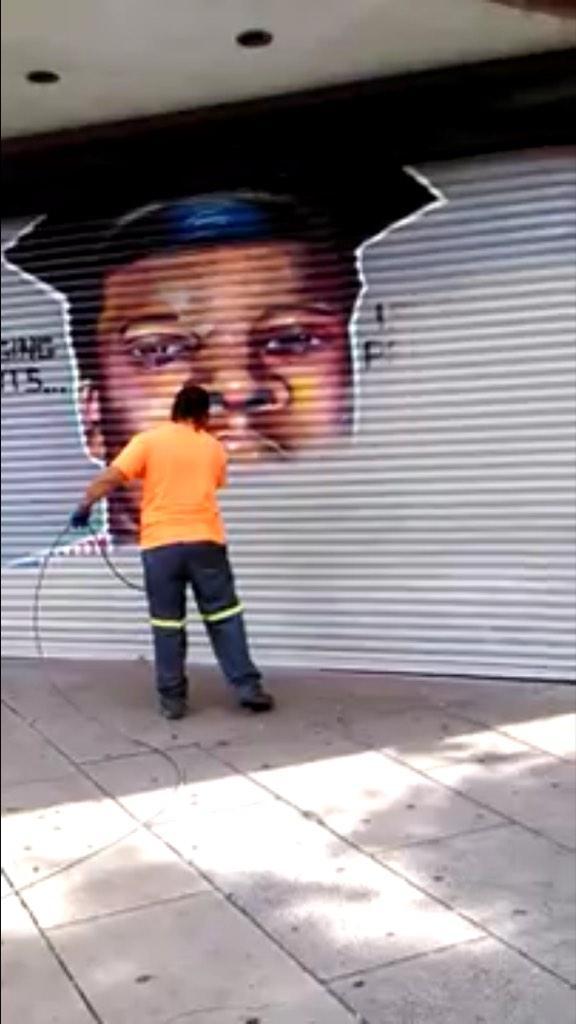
(292, 343)
(155, 350)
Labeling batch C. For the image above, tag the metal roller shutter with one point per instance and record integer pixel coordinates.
(441, 538)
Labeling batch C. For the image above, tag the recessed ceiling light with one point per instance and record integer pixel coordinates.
(42, 77)
(254, 38)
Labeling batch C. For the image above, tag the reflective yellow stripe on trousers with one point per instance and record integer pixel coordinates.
(226, 613)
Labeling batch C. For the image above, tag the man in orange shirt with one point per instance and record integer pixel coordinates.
(181, 467)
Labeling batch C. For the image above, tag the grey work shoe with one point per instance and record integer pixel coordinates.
(173, 708)
(257, 700)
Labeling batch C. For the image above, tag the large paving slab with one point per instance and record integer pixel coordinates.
(275, 742)
(519, 885)
(26, 757)
(555, 734)
(35, 989)
(181, 960)
(48, 825)
(320, 1009)
(476, 983)
(374, 801)
(158, 786)
(427, 737)
(334, 908)
(500, 702)
(135, 872)
(76, 732)
(539, 792)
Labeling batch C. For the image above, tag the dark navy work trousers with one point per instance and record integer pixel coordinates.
(168, 571)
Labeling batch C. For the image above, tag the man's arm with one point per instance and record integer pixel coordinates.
(222, 474)
(127, 466)
(102, 485)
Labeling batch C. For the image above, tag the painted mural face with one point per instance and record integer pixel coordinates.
(262, 326)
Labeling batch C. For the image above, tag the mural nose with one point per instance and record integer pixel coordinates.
(241, 399)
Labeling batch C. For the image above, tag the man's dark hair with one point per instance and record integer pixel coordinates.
(192, 404)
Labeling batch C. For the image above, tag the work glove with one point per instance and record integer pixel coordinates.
(80, 517)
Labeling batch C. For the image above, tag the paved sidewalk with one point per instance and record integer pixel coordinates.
(382, 849)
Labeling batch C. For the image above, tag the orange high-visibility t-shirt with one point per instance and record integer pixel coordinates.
(181, 469)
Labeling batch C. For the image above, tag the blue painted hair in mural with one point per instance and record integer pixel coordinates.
(74, 256)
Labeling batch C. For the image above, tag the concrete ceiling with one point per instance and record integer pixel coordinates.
(121, 59)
